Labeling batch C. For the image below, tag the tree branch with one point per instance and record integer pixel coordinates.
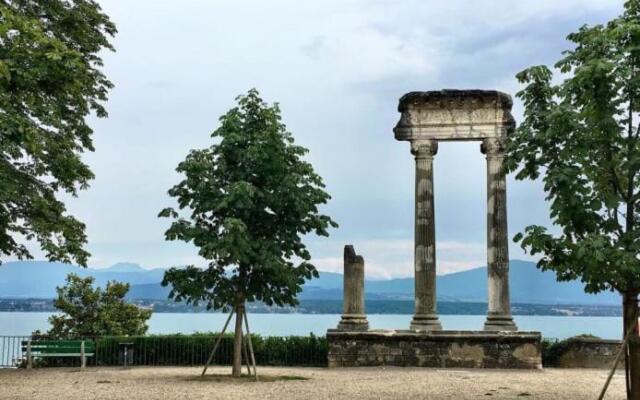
(632, 170)
(615, 182)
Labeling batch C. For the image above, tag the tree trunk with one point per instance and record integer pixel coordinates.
(237, 342)
(634, 369)
(632, 355)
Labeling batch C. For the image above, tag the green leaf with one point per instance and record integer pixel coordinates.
(250, 199)
(50, 82)
(577, 134)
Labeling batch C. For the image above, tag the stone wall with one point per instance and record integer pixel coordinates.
(584, 352)
(438, 349)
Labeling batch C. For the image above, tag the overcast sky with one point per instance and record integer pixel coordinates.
(337, 68)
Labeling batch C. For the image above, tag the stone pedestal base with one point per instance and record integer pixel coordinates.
(500, 323)
(436, 349)
(353, 323)
(428, 322)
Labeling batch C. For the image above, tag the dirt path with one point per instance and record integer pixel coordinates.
(305, 384)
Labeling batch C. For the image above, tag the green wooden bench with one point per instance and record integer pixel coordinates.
(58, 348)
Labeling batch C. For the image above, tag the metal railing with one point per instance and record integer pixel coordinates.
(11, 354)
(174, 350)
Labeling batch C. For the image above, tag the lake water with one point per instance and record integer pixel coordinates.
(23, 323)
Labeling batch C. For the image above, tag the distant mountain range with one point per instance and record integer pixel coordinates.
(38, 279)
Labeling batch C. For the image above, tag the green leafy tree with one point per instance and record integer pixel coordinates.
(50, 81)
(86, 311)
(251, 198)
(582, 136)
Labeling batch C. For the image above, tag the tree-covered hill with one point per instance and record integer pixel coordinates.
(38, 279)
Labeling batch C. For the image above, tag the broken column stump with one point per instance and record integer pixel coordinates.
(353, 316)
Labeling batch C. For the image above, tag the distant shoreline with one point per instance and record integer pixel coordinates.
(377, 307)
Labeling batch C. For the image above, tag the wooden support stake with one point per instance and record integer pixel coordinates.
(622, 351)
(29, 356)
(246, 354)
(253, 357)
(83, 362)
(215, 347)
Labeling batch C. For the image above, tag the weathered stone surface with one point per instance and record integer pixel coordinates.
(353, 316)
(499, 310)
(581, 352)
(454, 115)
(437, 349)
(426, 118)
(425, 317)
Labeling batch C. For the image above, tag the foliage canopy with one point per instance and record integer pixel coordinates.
(583, 135)
(94, 312)
(251, 198)
(50, 81)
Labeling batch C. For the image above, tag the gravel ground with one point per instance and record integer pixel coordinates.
(362, 383)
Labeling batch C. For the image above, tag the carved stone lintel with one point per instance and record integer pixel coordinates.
(454, 115)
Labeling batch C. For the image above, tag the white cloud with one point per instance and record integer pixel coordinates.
(386, 259)
(393, 258)
(337, 68)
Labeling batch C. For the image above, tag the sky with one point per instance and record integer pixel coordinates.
(337, 69)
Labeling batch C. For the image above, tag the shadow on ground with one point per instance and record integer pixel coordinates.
(244, 378)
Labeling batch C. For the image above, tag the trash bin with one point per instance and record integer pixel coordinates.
(126, 353)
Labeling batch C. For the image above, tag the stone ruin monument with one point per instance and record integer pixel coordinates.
(353, 316)
(427, 118)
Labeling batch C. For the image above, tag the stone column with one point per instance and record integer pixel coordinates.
(353, 317)
(425, 317)
(499, 313)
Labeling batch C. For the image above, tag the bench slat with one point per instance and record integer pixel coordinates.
(57, 350)
(57, 342)
(36, 355)
(58, 347)
(35, 345)
(66, 346)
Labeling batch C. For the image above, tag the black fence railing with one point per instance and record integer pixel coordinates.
(175, 350)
